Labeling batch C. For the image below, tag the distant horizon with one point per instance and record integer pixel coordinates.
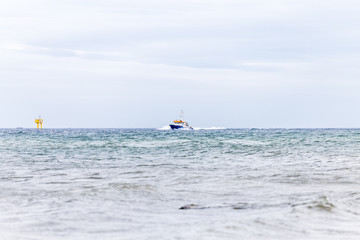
(196, 128)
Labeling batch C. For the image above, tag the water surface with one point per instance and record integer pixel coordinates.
(204, 184)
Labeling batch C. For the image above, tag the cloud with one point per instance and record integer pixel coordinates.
(188, 33)
(127, 55)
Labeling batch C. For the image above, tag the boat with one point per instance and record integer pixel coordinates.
(180, 124)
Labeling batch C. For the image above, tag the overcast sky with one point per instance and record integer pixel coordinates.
(226, 63)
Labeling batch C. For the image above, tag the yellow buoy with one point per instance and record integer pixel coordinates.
(39, 122)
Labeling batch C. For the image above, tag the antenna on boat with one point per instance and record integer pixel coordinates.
(181, 115)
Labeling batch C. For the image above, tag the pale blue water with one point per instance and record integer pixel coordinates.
(131, 184)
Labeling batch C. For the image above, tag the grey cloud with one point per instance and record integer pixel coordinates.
(258, 55)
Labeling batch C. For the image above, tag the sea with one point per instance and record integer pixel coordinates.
(176, 184)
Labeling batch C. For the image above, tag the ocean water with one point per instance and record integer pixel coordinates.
(164, 184)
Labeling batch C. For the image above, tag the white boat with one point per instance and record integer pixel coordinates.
(180, 124)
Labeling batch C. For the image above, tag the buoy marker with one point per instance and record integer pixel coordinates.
(39, 122)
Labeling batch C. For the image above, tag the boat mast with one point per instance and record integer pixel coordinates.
(181, 115)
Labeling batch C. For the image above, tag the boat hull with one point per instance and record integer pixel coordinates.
(174, 126)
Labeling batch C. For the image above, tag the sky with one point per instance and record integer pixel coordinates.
(136, 64)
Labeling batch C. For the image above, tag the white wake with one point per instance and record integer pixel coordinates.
(210, 128)
(167, 127)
